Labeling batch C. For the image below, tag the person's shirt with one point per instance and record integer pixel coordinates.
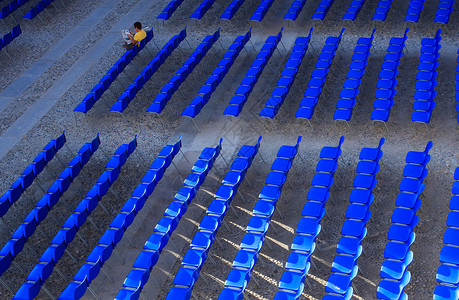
(140, 35)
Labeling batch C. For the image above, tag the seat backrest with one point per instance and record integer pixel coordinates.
(341, 141)
(429, 144)
(132, 145)
(298, 142)
(279, 35)
(40, 6)
(5, 12)
(7, 38)
(406, 33)
(183, 34)
(60, 141)
(381, 142)
(373, 34)
(341, 33)
(257, 145)
(13, 5)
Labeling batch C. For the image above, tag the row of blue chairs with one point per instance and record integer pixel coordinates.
(242, 93)
(382, 10)
(14, 246)
(203, 239)
(217, 76)
(261, 10)
(252, 242)
(169, 9)
(131, 91)
(319, 75)
(287, 77)
(444, 10)
(51, 256)
(353, 10)
(426, 79)
(350, 90)
(41, 6)
(146, 260)
(387, 82)
(231, 10)
(447, 272)
(291, 284)
(11, 8)
(397, 255)
(95, 262)
(322, 10)
(160, 101)
(294, 10)
(100, 88)
(414, 10)
(9, 37)
(30, 173)
(344, 267)
(202, 9)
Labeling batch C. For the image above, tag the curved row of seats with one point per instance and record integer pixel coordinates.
(51, 256)
(113, 235)
(287, 77)
(30, 173)
(291, 284)
(11, 8)
(322, 10)
(426, 79)
(202, 9)
(171, 7)
(217, 76)
(350, 90)
(232, 9)
(387, 82)
(9, 37)
(294, 10)
(444, 10)
(414, 10)
(30, 223)
(448, 271)
(397, 255)
(318, 77)
(261, 10)
(41, 6)
(344, 267)
(203, 239)
(146, 260)
(131, 91)
(353, 11)
(252, 242)
(100, 88)
(250, 79)
(382, 10)
(160, 101)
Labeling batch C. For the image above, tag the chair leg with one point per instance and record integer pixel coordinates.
(106, 274)
(71, 255)
(6, 286)
(61, 274)
(48, 292)
(93, 293)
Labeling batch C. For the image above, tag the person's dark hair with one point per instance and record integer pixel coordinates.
(138, 25)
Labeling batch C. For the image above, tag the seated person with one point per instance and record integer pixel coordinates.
(136, 37)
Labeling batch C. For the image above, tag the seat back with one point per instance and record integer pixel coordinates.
(5, 12)
(7, 38)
